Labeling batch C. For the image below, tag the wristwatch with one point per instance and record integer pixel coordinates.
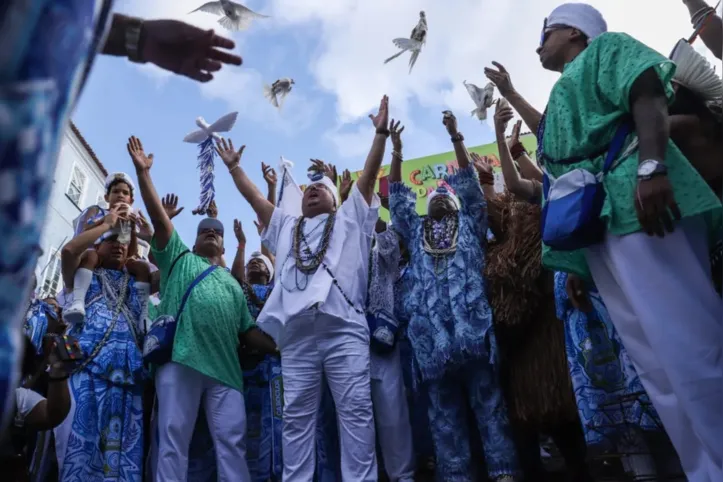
(458, 137)
(650, 168)
(133, 40)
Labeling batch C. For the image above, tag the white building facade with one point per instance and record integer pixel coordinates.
(78, 184)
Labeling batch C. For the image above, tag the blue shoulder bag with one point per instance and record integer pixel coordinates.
(158, 344)
(570, 217)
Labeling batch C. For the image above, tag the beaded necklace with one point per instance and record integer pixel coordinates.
(251, 295)
(439, 239)
(308, 261)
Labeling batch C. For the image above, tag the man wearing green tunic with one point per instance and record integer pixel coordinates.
(651, 266)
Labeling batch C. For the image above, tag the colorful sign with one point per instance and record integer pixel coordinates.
(423, 175)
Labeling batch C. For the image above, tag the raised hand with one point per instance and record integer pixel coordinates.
(515, 136)
(501, 79)
(186, 50)
(228, 154)
(381, 120)
(483, 166)
(503, 115)
(269, 174)
(239, 232)
(396, 135)
(170, 205)
(138, 155)
(450, 122)
(145, 231)
(212, 211)
(346, 184)
(317, 165)
(112, 217)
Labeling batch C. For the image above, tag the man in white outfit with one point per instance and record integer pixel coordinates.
(316, 312)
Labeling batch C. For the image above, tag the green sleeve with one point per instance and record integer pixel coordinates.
(165, 257)
(618, 60)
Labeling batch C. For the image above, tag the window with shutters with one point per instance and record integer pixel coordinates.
(51, 279)
(78, 180)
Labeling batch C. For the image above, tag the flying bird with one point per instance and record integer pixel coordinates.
(234, 16)
(414, 43)
(277, 92)
(482, 98)
(224, 124)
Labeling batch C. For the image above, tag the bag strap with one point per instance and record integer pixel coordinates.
(173, 265)
(193, 284)
(616, 145)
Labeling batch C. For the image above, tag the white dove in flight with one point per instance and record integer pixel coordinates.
(482, 98)
(277, 92)
(224, 124)
(234, 16)
(414, 43)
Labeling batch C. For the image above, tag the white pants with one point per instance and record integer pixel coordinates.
(314, 345)
(180, 390)
(391, 416)
(661, 299)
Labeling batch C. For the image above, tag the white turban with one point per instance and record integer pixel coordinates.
(328, 183)
(119, 176)
(266, 261)
(581, 16)
(442, 191)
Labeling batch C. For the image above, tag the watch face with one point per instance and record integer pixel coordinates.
(647, 168)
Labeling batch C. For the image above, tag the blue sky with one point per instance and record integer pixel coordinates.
(334, 52)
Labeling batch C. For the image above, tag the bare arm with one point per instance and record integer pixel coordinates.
(162, 225)
(514, 182)
(51, 412)
(529, 169)
(460, 150)
(649, 107)
(501, 78)
(232, 158)
(71, 253)
(712, 33)
(238, 268)
(368, 178)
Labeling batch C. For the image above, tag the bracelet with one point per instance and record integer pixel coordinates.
(235, 166)
(458, 137)
(701, 15)
(133, 40)
(517, 150)
(397, 155)
(383, 131)
(241, 246)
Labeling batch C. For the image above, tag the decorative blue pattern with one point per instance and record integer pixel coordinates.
(451, 320)
(601, 370)
(45, 52)
(36, 323)
(105, 437)
(206, 154)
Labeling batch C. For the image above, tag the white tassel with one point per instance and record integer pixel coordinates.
(695, 72)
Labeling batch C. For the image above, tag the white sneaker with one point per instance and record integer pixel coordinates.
(75, 313)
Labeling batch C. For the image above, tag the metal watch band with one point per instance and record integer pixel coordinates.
(133, 40)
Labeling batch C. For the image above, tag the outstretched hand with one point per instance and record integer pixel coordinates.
(483, 166)
(269, 174)
(141, 161)
(501, 79)
(227, 153)
(239, 232)
(170, 205)
(186, 50)
(450, 122)
(346, 184)
(381, 120)
(503, 116)
(396, 135)
(515, 136)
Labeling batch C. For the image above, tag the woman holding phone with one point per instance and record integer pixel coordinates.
(102, 438)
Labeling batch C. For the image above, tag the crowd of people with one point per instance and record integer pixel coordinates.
(581, 306)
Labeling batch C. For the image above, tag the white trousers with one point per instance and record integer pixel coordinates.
(314, 345)
(661, 299)
(391, 416)
(180, 391)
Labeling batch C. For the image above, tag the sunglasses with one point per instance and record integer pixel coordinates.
(546, 30)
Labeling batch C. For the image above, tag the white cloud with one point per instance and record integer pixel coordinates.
(464, 37)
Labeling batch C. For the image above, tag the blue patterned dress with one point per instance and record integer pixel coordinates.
(101, 440)
(452, 335)
(601, 371)
(46, 50)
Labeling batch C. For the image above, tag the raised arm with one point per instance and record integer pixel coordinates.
(162, 225)
(460, 151)
(501, 79)
(73, 250)
(271, 180)
(368, 178)
(712, 31)
(395, 172)
(232, 159)
(525, 189)
(238, 268)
